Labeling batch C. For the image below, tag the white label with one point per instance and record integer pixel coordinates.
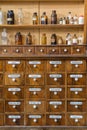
(55, 62)
(14, 76)
(14, 89)
(81, 20)
(55, 116)
(76, 89)
(76, 76)
(34, 102)
(34, 76)
(74, 40)
(14, 116)
(55, 103)
(34, 62)
(76, 103)
(14, 103)
(35, 89)
(76, 116)
(14, 62)
(55, 89)
(76, 62)
(55, 76)
(35, 116)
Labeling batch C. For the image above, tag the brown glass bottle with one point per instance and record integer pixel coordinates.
(18, 38)
(43, 39)
(44, 18)
(53, 39)
(29, 39)
(35, 18)
(53, 17)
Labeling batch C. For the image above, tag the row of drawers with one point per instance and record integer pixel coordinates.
(42, 50)
(43, 66)
(41, 92)
(71, 119)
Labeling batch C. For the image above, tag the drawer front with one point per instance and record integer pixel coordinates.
(14, 119)
(76, 106)
(14, 92)
(76, 92)
(1, 79)
(76, 119)
(17, 51)
(52, 50)
(35, 92)
(1, 106)
(55, 93)
(35, 79)
(55, 66)
(14, 106)
(79, 50)
(14, 79)
(5, 50)
(56, 106)
(1, 66)
(65, 50)
(57, 119)
(1, 119)
(15, 66)
(33, 106)
(76, 79)
(55, 79)
(76, 66)
(1, 93)
(29, 50)
(40, 51)
(35, 66)
(35, 120)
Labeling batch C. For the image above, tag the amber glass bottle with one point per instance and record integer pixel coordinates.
(35, 18)
(29, 39)
(53, 39)
(18, 38)
(53, 17)
(44, 18)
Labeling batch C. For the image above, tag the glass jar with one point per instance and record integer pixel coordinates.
(18, 38)
(53, 17)
(44, 18)
(1, 17)
(43, 39)
(29, 39)
(81, 19)
(20, 16)
(10, 17)
(35, 18)
(53, 39)
(74, 40)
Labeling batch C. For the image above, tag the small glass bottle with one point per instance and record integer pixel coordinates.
(43, 39)
(53, 39)
(53, 17)
(20, 16)
(1, 17)
(71, 21)
(69, 15)
(18, 38)
(10, 17)
(60, 21)
(64, 20)
(80, 40)
(35, 18)
(81, 19)
(68, 39)
(29, 39)
(75, 19)
(74, 40)
(44, 18)
(4, 37)
(67, 20)
(60, 41)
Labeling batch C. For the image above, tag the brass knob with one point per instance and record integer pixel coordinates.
(76, 65)
(13, 79)
(55, 106)
(76, 79)
(76, 120)
(55, 79)
(14, 106)
(76, 92)
(14, 120)
(55, 120)
(41, 50)
(34, 79)
(34, 93)
(4, 50)
(29, 50)
(34, 106)
(76, 106)
(55, 65)
(34, 66)
(13, 93)
(55, 93)
(65, 50)
(17, 50)
(13, 65)
(35, 120)
(53, 50)
(78, 50)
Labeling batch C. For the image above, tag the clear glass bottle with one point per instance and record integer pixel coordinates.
(35, 18)
(71, 21)
(1, 17)
(29, 39)
(4, 37)
(44, 18)
(69, 15)
(80, 40)
(64, 20)
(75, 19)
(74, 40)
(43, 39)
(60, 41)
(68, 39)
(20, 16)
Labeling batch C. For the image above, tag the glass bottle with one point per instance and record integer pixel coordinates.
(4, 37)
(68, 39)
(20, 16)
(60, 41)
(43, 39)
(35, 18)
(53, 17)
(10, 17)
(74, 39)
(71, 21)
(1, 17)
(75, 19)
(53, 39)
(64, 20)
(67, 20)
(69, 15)
(80, 40)
(60, 21)
(18, 38)
(44, 18)
(29, 39)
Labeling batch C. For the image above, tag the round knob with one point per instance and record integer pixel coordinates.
(34, 79)
(76, 92)
(13, 79)
(34, 93)
(34, 66)
(55, 79)
(14, 106)
(78, 50)
(55, 93)
(65, 50)
(13, 93)
(4, 50)
(13, 65)
(76, 79)
(55, 120)
(35, 120)
(55, 106)
(41, 50)
(17, 50)
(76, 120)
(76, 106)
(55, 65)
(34, 106)
(53, 50)
(76, 66)
(29, 50)
(14, 120)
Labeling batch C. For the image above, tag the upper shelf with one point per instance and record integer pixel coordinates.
(40, 26)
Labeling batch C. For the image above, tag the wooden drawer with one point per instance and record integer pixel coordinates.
(14, 79)
(76, 66)
(55, 106)
(1, 79)
(1, 119)
(1, 93)
(55, 119)
(55, 66)
(14, 92)
(35, 106)
(29, 50)
(76, 119)
(40, 50)
(78, 50)
(76, 79)
(1, 66)
(14, 119)
(1, 106)
(15, 66)
(5, 50)
(17, 51)
(76, 106)
(76, 92)
(14, 106)
(32, 92)
(35, 120)
(53, 50)
(55, 79)
(35, 66)
(65, 50)
(35, 79)
(55, 92)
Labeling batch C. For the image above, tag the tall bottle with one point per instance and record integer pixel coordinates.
(10, 17)
(74, 39)
(4, 37)
(35, 18)
(29, 39)
(43, 39)
(53, 17)
(53, 39)
(18, 38)
(68, 39)
(1, 17)
(20, 16)
(44, 18)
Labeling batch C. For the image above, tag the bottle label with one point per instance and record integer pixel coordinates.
(9, 19)
(74, 40)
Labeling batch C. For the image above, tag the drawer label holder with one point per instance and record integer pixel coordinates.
(55, 89)
(55, 62)
(55, 116)
(35, 102)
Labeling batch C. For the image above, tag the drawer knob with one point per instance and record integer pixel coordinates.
(65, 50)
(76, 106)
(17, 50)
(55, 65)
(14, 106)
(55, 93)
(13, 93)
(55, 120)
(53, 50)
(41, 50)
(4, 50)
(34, 66)
(13, 79)
(55, 106)
(34, 79)
(76, 66)
(34, 93)
(76, 79)
(76, 92)
(13, 65)
(14, 120)
(78, 50)
(55, 79)
(35, 120)
(76, 120)
(34, 106)
(29, 50)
